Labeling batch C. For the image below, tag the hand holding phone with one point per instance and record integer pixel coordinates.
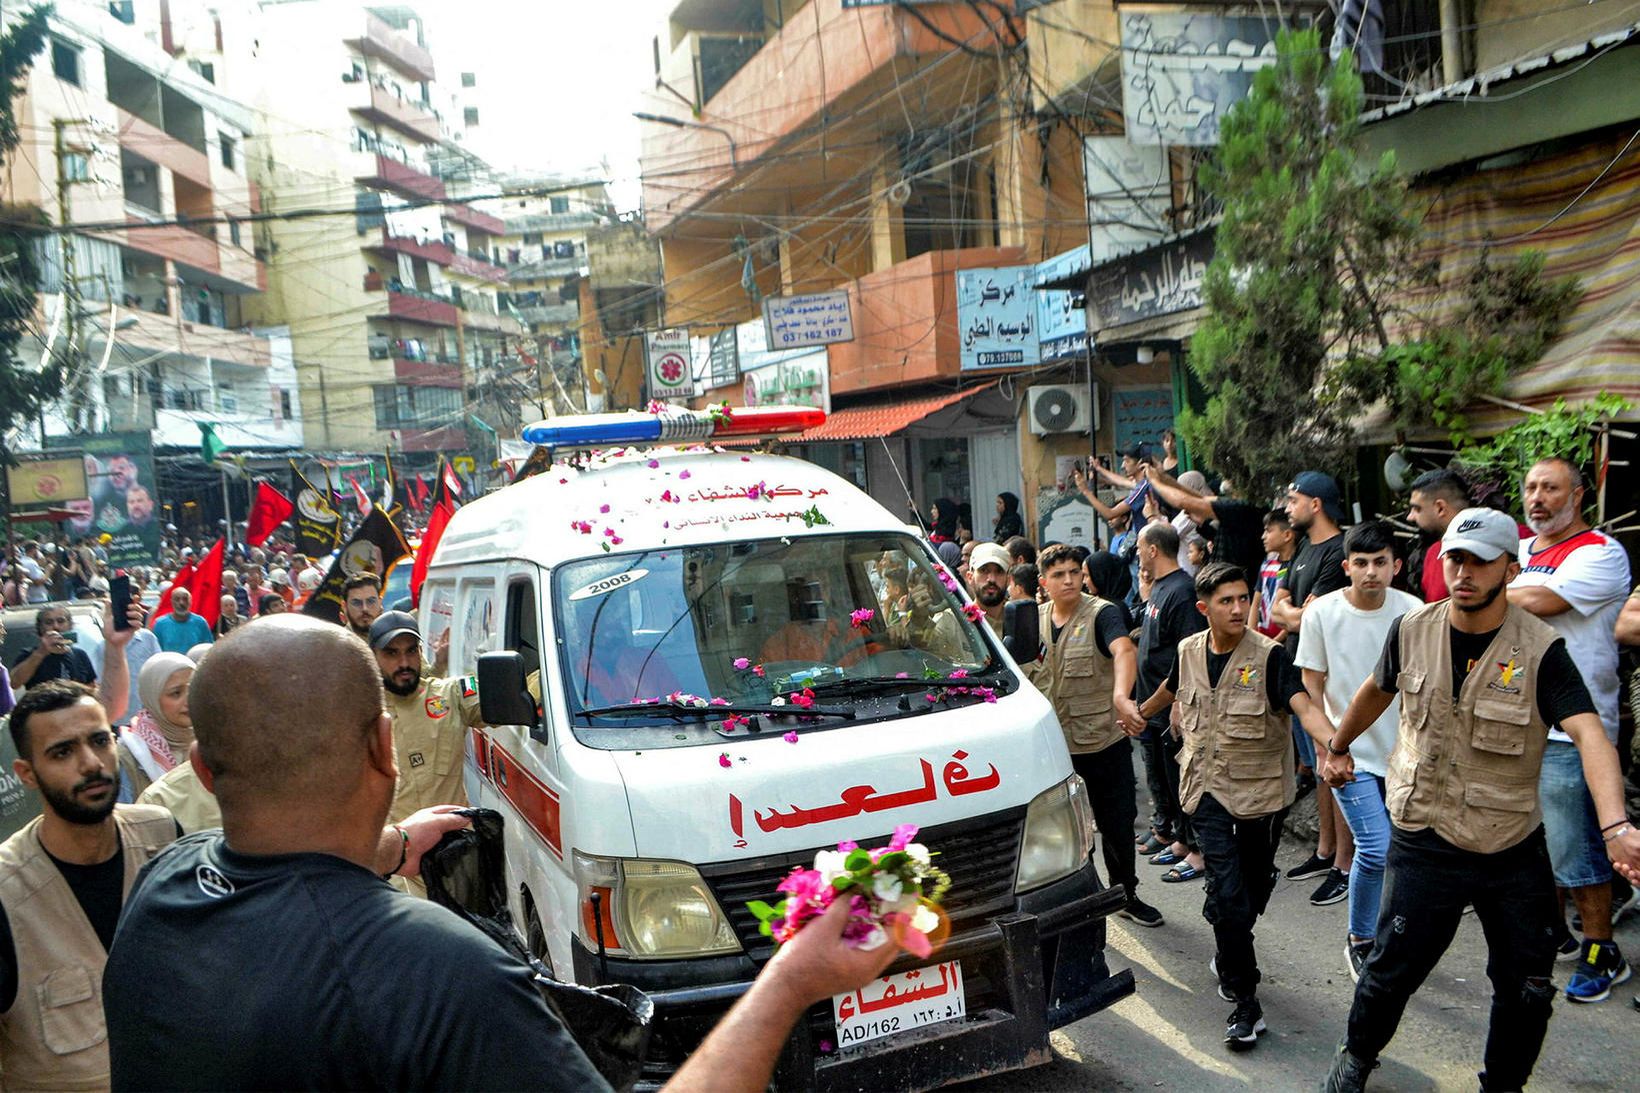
(119, 596)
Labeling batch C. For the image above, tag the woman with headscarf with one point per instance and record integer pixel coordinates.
(942, 520)
(1109, 579)
(158, 738)
(1008, 522)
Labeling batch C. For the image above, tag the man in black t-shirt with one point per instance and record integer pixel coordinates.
(1316, 509)
(1166, 619)
(54, 655)
(272, 954)
(1235, 527)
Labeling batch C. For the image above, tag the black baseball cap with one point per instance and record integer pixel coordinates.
(1324, 488)
(389, 625)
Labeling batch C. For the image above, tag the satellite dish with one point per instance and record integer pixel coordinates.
(1396, 469)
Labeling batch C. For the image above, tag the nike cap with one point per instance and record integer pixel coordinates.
(1485, 533)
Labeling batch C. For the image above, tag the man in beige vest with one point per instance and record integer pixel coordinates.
(63, 879)
(1234, 690)
(1086, 669)
(1481, 681)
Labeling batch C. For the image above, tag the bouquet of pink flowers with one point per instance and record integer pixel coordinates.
(893, 891)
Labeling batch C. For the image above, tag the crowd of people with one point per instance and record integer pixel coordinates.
(1454, 707)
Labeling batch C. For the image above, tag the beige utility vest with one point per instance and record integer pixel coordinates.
(54, 1036)
(1078, 679)
(1235, 746)
(1469, 768)
(430, 736)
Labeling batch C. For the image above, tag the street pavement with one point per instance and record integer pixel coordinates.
(1168, 1035)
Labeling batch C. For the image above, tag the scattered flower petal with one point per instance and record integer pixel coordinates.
(603, 508)
(723, 759)
(791, 737)
(858, 619)
(683, 474)
(653, 463)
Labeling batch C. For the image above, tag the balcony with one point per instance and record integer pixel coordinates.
(440, 254)
(386, 44)
(473, 265)
(426, 373)
(412, 304)
(863, 64)
(480, 315)
(469, 217)
(159, 147)
(385, 108)
(902, 305)
(179, 244)
(154, 333)
(387, 173)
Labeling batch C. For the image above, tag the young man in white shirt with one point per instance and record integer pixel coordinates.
(1338, 649)
(1575, 579)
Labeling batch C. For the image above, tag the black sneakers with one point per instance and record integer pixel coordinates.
(1355, 956)
(1245, 1026)
(1334, 888)
(1348, 1074)
(1314, 867)
(1140, 913)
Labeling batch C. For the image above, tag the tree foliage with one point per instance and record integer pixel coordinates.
(24, 388)
(1317, 253)
(1495, 469)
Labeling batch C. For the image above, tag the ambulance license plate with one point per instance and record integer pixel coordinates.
(900, 1002)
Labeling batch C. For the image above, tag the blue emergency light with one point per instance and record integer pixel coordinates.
(671, 426)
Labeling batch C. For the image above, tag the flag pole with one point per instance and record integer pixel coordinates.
(227, 513)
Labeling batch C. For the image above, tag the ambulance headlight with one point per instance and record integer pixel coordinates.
(650, 909)
(1058, 835)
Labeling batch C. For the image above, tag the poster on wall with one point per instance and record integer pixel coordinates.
(996, 318)
(1142, 415)
(670, 370)
(1130, 200)
(123, 500)
(1182, 70)
(1065, 518)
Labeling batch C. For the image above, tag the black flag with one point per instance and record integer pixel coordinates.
(376, 548)
(318, 524)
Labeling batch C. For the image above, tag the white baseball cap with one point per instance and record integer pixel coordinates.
(1485, 533)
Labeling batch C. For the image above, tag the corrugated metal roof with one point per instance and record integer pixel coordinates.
(1480, 85)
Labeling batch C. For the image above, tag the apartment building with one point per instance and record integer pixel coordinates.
(152, 299)
(391, 300)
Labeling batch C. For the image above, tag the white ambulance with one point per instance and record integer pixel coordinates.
(743, 659)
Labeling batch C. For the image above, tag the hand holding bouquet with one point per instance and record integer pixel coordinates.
(893, 891)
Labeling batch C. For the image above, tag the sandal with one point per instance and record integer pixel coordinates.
(1152, 844)
(1182, 872)
(1167, 857)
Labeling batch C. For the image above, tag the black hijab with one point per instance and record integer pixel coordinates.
(1110, 576)
(1009, 523)
(946, 525)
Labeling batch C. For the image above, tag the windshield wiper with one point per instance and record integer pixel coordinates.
(1001, 681)
(688, 711)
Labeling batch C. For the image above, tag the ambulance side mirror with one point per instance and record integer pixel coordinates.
(503, 697)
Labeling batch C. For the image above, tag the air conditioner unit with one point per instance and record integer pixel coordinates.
(1061, 408)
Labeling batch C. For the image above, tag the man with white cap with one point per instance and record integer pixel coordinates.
(989, 565)
(1480, 681)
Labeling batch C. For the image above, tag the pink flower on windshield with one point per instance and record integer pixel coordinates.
(986, 693)
(903, 836)
(803, 698)
(949, 581)
(757, 670)
(902, 675)
(719, 702)
(741, 664)
(960, 673)
(974, 611)
(731, 722)
(858, 619)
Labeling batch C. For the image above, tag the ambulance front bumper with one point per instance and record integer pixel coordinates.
(1039, 967)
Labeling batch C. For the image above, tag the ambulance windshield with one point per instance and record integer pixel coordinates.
(750, 622)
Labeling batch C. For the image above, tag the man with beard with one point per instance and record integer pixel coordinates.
(1575, 579)
(430, 720)
(1087, 669)
(1437, 496)
(361, 603)
(1481, 681)
(63, 880)
(988, 574)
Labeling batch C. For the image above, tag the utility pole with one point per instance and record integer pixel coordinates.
(70, 283)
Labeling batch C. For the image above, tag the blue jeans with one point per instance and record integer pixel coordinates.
(1569, 820)
(1362, 803)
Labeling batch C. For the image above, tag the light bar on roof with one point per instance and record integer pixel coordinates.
(671, 426)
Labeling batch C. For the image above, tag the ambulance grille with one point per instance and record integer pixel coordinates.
(980, 855)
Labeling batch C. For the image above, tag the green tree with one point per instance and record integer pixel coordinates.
(24, 385)
(1317, 251)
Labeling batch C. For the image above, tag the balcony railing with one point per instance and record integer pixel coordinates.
(469, 217)
(384, 43)
(389, 173)
(385, 108)
(478, 266)
(440, 254)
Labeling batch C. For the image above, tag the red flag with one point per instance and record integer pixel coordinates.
(429, 543)
(422, 492)
(360, 496)
(271, 509)
(412, 495)
(452, 484)
(207, 586)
